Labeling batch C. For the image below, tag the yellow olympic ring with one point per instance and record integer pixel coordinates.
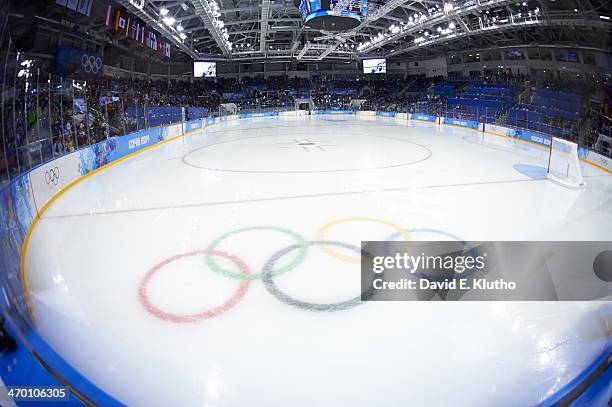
(323, 229)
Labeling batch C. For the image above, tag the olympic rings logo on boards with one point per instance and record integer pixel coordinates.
(91, 63)
(52, 176)
(272, 269)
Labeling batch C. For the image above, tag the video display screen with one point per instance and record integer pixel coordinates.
(374, 66)
(311, 8)
(204, 69)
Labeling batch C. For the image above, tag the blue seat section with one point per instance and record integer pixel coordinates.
(560, 104)
(560, 95)
(474, 113)
(546, 111)
(504, 96)
(538, 126)
(556, 103)
(525, 113)
(444, 90)
(476, 102)
(481, 102)
(550, 111)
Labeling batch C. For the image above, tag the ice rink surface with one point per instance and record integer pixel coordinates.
(146, 276)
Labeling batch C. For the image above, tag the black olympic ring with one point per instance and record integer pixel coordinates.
(267, 276)
(52, 176)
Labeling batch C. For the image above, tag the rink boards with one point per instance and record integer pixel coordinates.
(28, 196)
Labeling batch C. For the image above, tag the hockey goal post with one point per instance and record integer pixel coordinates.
(564, 165)
(228, 108)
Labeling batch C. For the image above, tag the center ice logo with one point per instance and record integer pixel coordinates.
(307, 145)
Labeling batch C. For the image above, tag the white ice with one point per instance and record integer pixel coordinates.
(93, 246)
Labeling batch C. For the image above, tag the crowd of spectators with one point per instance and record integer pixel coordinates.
(62, 116)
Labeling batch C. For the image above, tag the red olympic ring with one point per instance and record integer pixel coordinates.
(143, 295)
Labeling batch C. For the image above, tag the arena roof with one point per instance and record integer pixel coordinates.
(251, 30)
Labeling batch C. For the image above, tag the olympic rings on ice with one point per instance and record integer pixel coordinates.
(268, 280)
(269, 271)
(302, 244)
(143, 294)
(323, 230)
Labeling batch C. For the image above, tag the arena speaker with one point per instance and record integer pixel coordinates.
(332, 15)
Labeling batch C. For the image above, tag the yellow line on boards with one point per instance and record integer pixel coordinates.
(38, 216)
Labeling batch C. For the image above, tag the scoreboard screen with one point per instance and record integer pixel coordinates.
(204, 69)
(322, 14)
(374, 66)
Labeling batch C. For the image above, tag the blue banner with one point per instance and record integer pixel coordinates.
(333, 112)
(137, 141)
(262, 114)
(386, 114)
(460, 122)
(424, 117)
(70, 61)
(193, 125)
(531, 136)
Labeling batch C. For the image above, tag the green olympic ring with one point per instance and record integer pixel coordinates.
(302, 243)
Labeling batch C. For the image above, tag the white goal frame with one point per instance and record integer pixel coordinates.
(229, 108)
(564, 165)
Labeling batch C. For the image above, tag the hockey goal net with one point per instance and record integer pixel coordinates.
(228, 109)
(563, 164)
